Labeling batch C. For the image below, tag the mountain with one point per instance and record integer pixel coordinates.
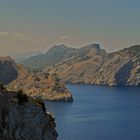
(39, 85)
(95, 66)
(55, 55)
(51, 57)
(23, 119)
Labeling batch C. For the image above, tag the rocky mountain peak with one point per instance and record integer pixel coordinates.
(6, 58)
(92, 46)
(59, 48)
(101, 68)
(133, 49)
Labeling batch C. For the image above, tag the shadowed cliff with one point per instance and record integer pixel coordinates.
(23, 119)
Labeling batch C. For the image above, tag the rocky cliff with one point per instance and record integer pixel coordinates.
(37, 85)
(7, 70)
(24, 120)
(95, 66)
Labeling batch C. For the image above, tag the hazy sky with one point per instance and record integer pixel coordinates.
(31, 25)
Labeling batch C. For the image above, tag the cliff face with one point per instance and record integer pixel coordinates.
(38, 85)
(41, 86)
(101, 68)
(7, 70)
(26, 121)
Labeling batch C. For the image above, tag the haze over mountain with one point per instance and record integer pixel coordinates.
(24, 55)
(35, 25)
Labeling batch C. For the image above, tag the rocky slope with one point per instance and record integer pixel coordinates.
(38, 85)
(51, 57)
(55, 55)
(26, 121)
(95, 66)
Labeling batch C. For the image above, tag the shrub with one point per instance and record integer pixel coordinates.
(22, 98)
(46, 75)
(2, 86)
(38, 100)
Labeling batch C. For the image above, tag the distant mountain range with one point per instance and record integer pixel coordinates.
(90, 65)
(54, 55)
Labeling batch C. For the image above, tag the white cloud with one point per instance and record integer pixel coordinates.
(16, 41)
(16, 36)
(3, 33)
(19, 35)
(64, 37)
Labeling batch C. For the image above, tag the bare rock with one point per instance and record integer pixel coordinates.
(26, 121)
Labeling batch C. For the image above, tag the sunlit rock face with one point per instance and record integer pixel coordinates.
(95, 66)
(37, 85)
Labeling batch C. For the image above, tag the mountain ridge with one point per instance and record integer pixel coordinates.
(92, 65)
(117, 68)
(55, 55)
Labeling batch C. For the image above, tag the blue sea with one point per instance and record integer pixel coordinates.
(98, 113)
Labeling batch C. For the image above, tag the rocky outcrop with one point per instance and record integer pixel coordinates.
(96, 66)
(42, 86)
(37, 85)
(7, 70)
(26, 121)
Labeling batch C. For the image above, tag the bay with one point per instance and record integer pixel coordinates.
(98, 113)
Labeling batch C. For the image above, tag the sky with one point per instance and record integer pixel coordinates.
(32, 25)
